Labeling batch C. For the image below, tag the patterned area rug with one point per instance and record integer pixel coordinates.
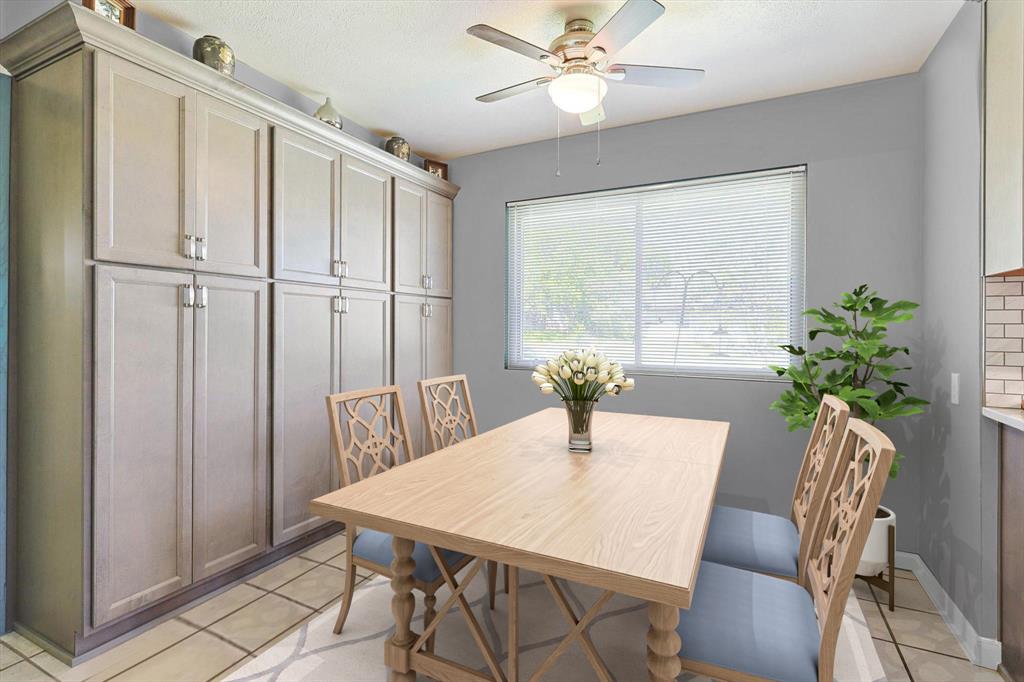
(314, 653)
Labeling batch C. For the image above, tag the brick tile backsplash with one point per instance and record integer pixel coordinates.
(1003, 317)
(1004, 341)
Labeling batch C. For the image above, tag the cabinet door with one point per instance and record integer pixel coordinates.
(410, 354)
(306, 228)
(439, 245)
(365, 339)
(438, 361)
(232, 187)
(306, 370)
(142, 478)
(410, 232)
(229, 517)
(365, 225)
(1004, 137)
(145, 160)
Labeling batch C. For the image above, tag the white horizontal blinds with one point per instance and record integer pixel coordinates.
(722, 269)
(696, 276)
(573, 280)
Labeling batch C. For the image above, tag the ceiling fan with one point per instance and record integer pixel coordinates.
(580, 59)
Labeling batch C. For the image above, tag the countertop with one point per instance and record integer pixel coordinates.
(1005, 415)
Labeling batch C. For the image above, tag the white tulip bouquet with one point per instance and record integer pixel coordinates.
(582, 375)
(581, 378)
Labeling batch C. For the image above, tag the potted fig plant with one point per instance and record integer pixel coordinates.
(858, 366)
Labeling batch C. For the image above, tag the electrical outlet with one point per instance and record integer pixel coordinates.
(954, 388)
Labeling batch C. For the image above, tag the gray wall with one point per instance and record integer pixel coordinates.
(957, 535)
(5, 184)
(16, 13)
(863, 146)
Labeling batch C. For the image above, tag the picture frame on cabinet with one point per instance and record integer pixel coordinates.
(119, 11)
(436, 168)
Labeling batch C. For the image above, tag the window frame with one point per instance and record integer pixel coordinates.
(798, 299)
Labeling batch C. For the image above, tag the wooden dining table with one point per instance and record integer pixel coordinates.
(629, 517)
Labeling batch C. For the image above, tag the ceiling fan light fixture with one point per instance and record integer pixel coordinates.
(576, 93)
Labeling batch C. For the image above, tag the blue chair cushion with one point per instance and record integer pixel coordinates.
(752, 623)
(375, 546)
(752, 540)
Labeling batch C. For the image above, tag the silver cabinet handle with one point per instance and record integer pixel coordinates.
(344, 304)
(203, 294)
(428, 282)
(201, 248)
(189, 247)
(339, 268)
(188, 295)
(340, 304)
(427, 310)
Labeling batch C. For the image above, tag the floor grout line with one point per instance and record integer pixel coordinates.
(36, 666)
(233, 665)
(282, 596)
(21, 656)
(206, 628)
(911, 608)
(940, 653)
(899, 652)
(154, 654)
(918, 648)
(224, 639)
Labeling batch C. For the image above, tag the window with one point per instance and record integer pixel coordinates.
(695, 277)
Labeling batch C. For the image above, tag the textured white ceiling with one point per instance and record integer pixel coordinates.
(408, 66)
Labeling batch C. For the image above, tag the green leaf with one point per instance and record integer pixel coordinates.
(860, 371)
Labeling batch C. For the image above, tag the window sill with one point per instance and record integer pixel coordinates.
(761, 378)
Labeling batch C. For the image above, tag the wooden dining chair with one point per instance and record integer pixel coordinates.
(772, 544)
(370, 435)
(449, 418)
(744, 626)
(447, 410)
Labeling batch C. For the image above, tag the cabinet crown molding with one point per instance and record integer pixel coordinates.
(69, 26)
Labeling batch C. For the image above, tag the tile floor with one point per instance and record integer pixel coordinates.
(216, 637)
(211, 639)
(913, 642)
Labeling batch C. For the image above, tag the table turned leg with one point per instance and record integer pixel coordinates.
(429, 613)
(396, 653)
(663, 643)
(513, 622)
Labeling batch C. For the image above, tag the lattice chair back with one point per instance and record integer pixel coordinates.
(852, 497)
(447, 410)
(369, 432)
(815, 471)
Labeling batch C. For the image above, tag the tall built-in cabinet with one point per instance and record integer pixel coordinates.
(195, 267)
(423, 348)
(423, 241)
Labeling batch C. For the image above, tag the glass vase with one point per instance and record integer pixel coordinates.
(579, 413)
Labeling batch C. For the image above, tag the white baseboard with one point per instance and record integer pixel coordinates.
(983, 651)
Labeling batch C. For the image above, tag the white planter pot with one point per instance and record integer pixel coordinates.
(875, 558)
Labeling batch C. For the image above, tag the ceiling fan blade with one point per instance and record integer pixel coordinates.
(514, 90)
(631, 19)
(658, 76)
(510, 42)
(589, 118)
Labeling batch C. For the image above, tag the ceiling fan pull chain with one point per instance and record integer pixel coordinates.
(558, 144)
(599, 124)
